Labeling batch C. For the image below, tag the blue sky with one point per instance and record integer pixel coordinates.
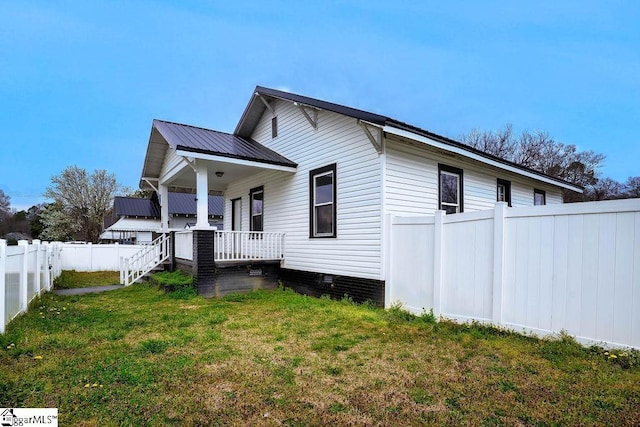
(80, 82)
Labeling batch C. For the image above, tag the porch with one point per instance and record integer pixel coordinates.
(223, 262)
(234, 247)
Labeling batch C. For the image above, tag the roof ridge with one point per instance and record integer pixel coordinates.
(193, 127)
(335, 104)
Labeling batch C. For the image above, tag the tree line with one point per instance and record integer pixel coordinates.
(541, 152)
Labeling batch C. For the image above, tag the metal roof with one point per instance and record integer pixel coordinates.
(135, 206)
(256, 108)
(135, 224)
(185, 204)
(179, 204)
(201, 140)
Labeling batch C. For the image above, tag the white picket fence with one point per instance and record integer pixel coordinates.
(26, 271)
(543, 269)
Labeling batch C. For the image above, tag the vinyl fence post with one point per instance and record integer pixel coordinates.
(3, 291)
(117, 249)
(437, 262)
(498, 261)
(387, 237)
(90, 246)
(24, 275)
(45, 266)
(38, 266)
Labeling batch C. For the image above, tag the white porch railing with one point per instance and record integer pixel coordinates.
(184, 244)
(248, 245)
(132, 268)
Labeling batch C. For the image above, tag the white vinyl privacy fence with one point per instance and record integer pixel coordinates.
(543, 269)
(26, 271)
(89, 257)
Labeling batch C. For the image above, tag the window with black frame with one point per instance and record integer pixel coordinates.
(322, 188)
(256, 196)
(450, 189)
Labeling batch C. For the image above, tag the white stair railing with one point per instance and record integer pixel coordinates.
(145, 260)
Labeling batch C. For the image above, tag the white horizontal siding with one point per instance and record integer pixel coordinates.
(411, 182)
(522, 193)
(357, 249)
(171, 161)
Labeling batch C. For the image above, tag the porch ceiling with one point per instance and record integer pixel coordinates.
(185, 177)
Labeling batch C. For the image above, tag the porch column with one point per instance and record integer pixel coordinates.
(202, 195)
(164, 207)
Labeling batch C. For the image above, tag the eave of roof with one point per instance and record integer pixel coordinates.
(255, 108)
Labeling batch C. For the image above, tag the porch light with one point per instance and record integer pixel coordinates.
(219, 174)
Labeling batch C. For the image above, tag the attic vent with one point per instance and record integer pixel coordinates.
(274, 127)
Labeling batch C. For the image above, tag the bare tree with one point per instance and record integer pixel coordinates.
(632, 187)
(84, 199)
(5, 203)
(5, 213)
(605, 189)
(539, 151)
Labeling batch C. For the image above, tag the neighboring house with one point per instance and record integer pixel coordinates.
(328, 175)
(138, 219)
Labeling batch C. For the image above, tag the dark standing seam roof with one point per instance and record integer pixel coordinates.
(134, 206)
(185, 204)
(376, 119)
(200, 140)
(179, 204)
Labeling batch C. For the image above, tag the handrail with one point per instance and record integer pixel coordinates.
(145, 260)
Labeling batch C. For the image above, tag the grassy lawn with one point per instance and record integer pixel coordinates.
(136, 356)
(70, 279)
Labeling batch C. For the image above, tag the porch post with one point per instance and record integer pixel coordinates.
(202, 195)
(164, 207)
(204, 266)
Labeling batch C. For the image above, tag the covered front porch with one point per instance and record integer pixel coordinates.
(202, 162)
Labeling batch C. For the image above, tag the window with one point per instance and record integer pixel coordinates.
(274, 127)
(256, 196)
(450, 191)
(504, 191)
(322, 206)
(539, 197)
(236, 214)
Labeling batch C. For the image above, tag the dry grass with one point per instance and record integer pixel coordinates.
(277, 358)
